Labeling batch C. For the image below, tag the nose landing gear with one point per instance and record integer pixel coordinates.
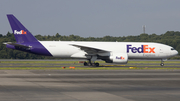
(162, 60)
(162, 64)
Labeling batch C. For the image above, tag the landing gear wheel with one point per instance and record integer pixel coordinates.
(93, 64)
(97, 64)
(89, 64)
(162, 64)
(85, 63)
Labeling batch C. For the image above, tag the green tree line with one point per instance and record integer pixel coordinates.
(171, 38)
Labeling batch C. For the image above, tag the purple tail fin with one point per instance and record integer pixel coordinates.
(21, 34)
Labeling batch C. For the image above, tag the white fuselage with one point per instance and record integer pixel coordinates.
(135, 50)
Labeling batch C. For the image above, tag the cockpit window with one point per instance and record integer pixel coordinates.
(172, 49)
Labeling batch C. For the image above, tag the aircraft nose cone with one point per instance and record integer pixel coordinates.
(176, 53)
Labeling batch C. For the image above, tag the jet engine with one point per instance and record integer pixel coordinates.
(119, 58)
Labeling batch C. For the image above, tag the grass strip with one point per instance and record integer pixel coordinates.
(84, 68)
(47, 65)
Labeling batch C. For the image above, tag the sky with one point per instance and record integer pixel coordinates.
(92, 18)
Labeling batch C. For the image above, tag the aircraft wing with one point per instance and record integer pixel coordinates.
(90, 50)
(18, 45)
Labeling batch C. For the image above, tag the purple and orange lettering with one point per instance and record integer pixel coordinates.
(152, 50)
(145, 47)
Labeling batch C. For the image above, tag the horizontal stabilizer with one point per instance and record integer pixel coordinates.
(18, 45)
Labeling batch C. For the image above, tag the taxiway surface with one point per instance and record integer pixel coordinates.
(89, 85)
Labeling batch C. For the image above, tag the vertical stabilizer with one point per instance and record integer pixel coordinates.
(21, 34)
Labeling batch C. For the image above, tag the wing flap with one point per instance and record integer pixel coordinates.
(90, 50)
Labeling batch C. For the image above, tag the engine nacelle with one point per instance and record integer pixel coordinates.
(119, 58)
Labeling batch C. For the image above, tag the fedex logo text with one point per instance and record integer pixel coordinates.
(121, 57)
(20, 32)
(142, 49)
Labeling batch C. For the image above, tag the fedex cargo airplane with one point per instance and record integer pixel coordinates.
(110, 52)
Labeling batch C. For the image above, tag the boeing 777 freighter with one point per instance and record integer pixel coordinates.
(110, 52)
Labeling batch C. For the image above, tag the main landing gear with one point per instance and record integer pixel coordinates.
(91, 62)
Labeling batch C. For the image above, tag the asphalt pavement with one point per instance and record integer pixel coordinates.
(89, 85)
